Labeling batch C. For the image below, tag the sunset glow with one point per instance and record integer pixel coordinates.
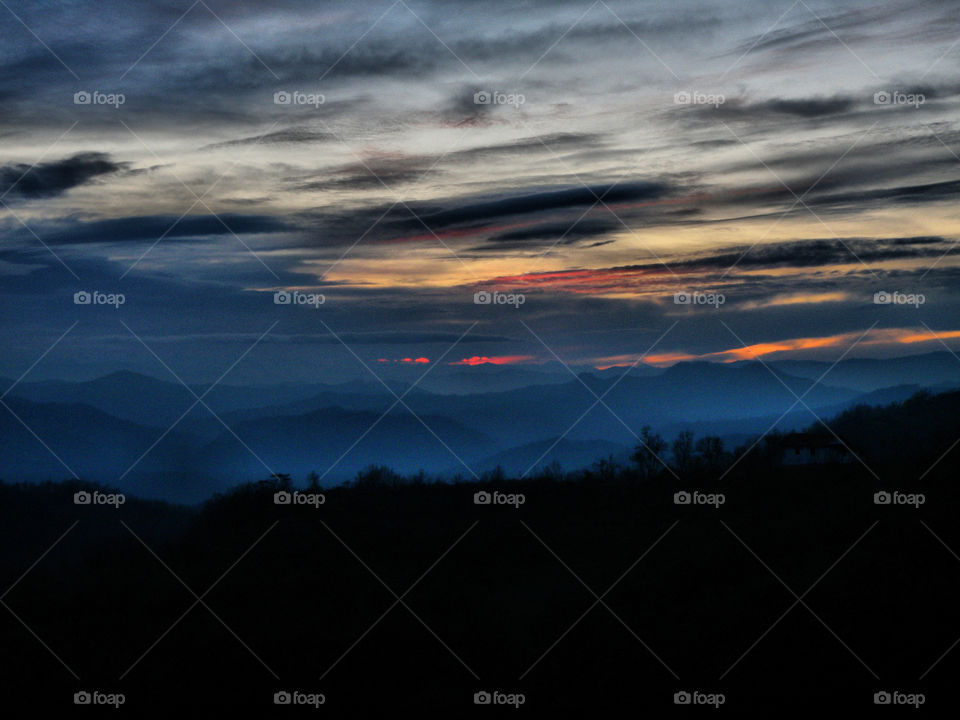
(496, 360)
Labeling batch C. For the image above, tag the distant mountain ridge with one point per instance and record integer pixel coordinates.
(100, 428)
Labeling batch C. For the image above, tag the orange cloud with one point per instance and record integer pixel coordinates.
(630, 360)
(925, 336)
(760, 349)
(496, 360)
(878, 337)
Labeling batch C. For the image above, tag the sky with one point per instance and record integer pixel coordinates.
(626, 182)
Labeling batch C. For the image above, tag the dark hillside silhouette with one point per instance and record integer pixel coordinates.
(510, 583)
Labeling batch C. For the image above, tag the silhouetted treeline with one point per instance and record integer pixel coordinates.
(309, 592)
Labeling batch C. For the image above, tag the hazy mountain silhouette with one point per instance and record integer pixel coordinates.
(683, 393)
(300, 444)
(567, 454)
(150, 401)
(100, 428)
(868, 374)
(94, 445)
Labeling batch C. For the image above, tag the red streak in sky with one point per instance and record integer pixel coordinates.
(496, 360)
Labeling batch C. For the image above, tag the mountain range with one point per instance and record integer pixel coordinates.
(152, 437)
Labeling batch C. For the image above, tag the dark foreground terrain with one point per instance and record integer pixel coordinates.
(598, 591)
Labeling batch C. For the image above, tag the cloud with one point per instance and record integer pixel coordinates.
(818, 253)
(374, 173)
(549, 234)
(598, 109)
(905, 195)
(291, 136)
(547, 144)
(805, 108)
(495, 360)
(46, 180)
(814, 253)
(403, 169)
(873, 337)
(463, 109)
(817, 31)
(539, 202)
(152, 227)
